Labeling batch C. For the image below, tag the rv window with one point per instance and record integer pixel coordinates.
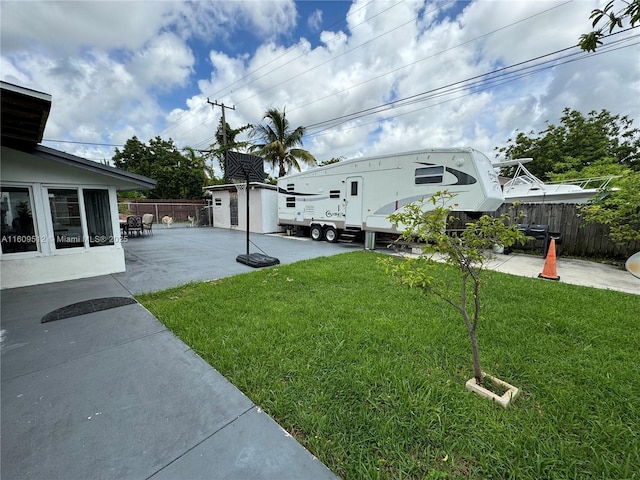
(218, 202)
(334, 193)
(291, 201)
(433, 174)
(290, 187)
(354, 189)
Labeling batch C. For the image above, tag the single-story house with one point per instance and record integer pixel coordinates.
(228, 207)
(58, 212)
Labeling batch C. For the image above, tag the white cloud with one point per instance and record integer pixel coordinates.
(67, 27)
(315, 20)
(163, 63)
(118, 69)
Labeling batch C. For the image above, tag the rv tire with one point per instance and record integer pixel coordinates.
(315, 232)
(330, 235)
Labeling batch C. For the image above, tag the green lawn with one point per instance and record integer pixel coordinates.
(369, 375)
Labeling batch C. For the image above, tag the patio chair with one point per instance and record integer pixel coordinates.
(134, 224)
(147, 223)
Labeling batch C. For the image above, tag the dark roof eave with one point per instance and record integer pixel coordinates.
(139, 181)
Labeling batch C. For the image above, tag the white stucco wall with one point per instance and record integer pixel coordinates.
(20, 169)
(263, 205)
(221, 213)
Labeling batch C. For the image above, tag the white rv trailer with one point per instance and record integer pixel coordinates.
(359, 195)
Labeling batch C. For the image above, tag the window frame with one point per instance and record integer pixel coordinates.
(34, 215)
(85, 244)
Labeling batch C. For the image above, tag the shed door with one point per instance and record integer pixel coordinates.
(353, 214)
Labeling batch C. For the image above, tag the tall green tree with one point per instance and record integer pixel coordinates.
(177, 176)
(279, 143)
(599, 144)
(584, 147)
(613, 16)
(227, 140)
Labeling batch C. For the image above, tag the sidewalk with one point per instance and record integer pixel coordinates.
(573, 271)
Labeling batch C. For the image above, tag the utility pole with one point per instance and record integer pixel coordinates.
(224, 121)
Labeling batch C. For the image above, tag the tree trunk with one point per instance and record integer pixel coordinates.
(477, 372)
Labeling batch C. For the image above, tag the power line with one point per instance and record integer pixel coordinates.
(404, 66)
(292, 48)
(459, 86)
(430, 56)
(377, 37)
(82, 143)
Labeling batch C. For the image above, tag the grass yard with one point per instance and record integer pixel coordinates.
(369, 375)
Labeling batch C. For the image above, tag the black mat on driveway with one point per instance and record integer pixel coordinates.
(88, 306)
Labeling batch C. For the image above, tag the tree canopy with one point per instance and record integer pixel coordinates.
(614, 15)
(177, 175)
(280, 143)
(220, 148)
(599, 144)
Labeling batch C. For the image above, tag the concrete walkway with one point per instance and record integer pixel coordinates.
(114, 394)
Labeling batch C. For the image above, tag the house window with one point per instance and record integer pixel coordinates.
(98, 216)
(65, 217)
(334, 193)
(291, 201)
(18, 231)
(433, 174)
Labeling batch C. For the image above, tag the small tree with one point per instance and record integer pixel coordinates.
(618, 209)
(466, 251)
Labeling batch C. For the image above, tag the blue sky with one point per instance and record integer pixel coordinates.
(146, 68)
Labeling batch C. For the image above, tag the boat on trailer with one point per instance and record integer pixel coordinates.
(525, 187)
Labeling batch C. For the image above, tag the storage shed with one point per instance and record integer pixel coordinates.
(228, 207)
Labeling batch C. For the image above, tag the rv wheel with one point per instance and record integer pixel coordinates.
(316, 232)
(330, 235)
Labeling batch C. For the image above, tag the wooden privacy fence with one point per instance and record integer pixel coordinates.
(579, 239)
(180, 210)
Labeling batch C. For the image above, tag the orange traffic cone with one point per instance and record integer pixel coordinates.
(549, 271)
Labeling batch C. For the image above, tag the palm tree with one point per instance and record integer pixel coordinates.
(220, 148)
(280, 142)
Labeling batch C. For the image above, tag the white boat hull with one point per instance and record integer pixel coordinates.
(550, 197)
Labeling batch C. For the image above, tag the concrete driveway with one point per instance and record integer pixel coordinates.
(177, 255)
